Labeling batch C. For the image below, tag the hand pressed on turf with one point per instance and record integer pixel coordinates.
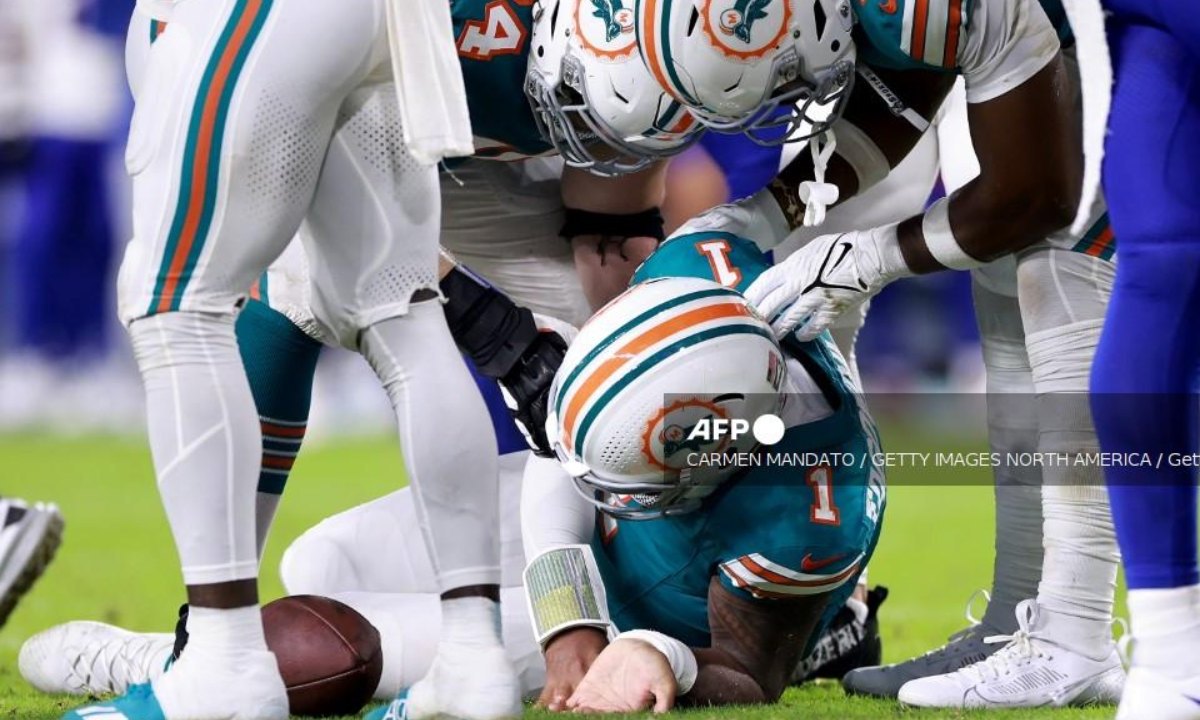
(568, 657)
(629, 676)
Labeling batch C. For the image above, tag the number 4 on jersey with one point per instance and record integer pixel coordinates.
(499, 33)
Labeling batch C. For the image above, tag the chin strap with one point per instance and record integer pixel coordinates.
(816, 194)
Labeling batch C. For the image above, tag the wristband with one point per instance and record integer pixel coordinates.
(680, 656)
(563, 590)
(488, 326)
(647, 223)
(939, 238)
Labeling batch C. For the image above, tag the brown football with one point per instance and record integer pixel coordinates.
(328, 654)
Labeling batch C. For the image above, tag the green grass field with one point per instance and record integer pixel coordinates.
(117, 563)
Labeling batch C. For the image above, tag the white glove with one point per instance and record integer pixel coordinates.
(808, 290)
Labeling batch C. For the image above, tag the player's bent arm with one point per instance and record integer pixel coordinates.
(756, 645)
(1030, 174)
(613, 224)
(873, 136)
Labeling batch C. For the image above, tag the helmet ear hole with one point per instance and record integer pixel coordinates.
(819, 20)
(541, 51)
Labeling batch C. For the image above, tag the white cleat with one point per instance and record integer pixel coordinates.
(964, 648)
(1029, 671)
(1150, 695)
(243, 685)
(91, 658)
(469, 682)
(29, 537)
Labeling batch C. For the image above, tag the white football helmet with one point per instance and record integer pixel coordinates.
(654, 364)
(592, 95)
(778, 70)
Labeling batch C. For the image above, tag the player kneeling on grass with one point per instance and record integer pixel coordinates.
(708, 574)
(777, 580)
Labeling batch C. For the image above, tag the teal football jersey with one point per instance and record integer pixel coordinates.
(925, 34)
(492, 38)
(769, 532)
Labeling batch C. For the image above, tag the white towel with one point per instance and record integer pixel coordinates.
(1096, 78)
(429, 83)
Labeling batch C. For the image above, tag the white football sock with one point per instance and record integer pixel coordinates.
(1063, 300)
(205, 441)
(1012, 428)
(222, 630)
(1166, 630)
(448, 443)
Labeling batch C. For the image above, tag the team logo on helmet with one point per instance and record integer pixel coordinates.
(748, 29)
(607, 30)
(667, 438)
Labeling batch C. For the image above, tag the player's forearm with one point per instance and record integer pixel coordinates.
(1031, 169)
(721, 681)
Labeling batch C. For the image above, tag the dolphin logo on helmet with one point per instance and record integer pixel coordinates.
(616, 17)
(739, 19)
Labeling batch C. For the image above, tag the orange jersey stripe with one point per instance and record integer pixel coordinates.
(950, 57)
(1102, 241)
(920, 16)
(778, 579)
(203, 148)
(637, 345)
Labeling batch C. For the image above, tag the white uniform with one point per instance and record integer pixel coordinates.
(252, 120)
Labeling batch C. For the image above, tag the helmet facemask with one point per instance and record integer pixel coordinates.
(574, 86)
(796, 111)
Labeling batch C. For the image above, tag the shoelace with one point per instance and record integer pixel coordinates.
(117, 659)
(972, 623)
(1019, 647)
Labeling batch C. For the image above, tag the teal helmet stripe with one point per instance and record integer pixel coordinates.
(654, 360)
(621, 331)
(664, 37)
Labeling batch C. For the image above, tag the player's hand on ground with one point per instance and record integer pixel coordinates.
(568, 657)
(527, 387)
(629, 676)
(812, 287)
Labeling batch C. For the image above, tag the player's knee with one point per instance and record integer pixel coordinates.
(183, 338)
(1061, 358)
(315, 564)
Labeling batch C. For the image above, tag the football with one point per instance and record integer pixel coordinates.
(328, 654)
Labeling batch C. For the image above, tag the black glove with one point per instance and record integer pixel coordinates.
(527, 388)
(504, 342)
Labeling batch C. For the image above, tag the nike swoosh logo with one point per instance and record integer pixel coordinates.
(808, 564)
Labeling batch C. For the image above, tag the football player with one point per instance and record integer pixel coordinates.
(820, 557)
(29, 536)
(253, 116)
(1144, 379)
(1040, 316)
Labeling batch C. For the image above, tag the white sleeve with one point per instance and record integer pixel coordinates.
(553, 513)
(757, 218)
(1008, 42)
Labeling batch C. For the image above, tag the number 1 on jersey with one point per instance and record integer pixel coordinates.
(717, 253)
(823, 511)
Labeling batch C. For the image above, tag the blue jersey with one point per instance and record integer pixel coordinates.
(492, 38)
(768, 532)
